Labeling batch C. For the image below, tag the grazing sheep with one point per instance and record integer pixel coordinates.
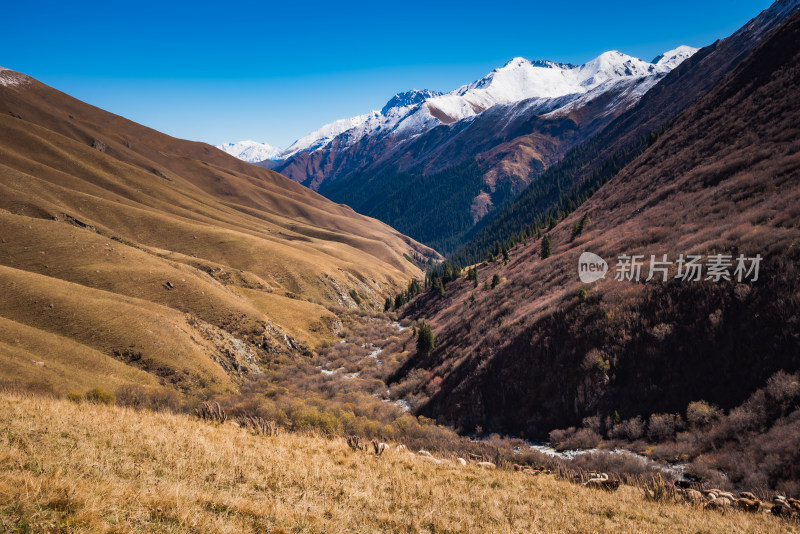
(601, 481)
(781, 510)
(518, 467)
(400, 447)
(748, 505)
(595, 478)
(462, 461)
(486, 465)
(689, 484)
(794, 503)
(710, 494)
(720, 503)
(693, 496)
(431, 459)
(379, 447)
(747, 495)
(423, 452)
(727, 495)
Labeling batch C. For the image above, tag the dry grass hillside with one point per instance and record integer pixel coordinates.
(147, 259)
(68, 467)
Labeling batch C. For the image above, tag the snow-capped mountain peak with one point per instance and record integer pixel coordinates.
(251, 151)
(408, 98)
(412, 112)
(674, 57)
(607, 66)
(324, 135)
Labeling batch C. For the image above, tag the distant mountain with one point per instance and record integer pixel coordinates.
(511, 125)
(251, 151)
(518, 80)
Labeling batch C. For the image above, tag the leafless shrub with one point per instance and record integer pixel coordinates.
(355, 443)
(655, 488)
(662, 426)
(592, 423)
(212, 411)
(142, 398)
(258, 425)
(783, 390)
(700, 414)
(630, 429)
(574, 438)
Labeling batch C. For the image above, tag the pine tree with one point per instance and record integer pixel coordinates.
(388, 304)
(438, 286)
(495, 281)
(547, 246)
(425, 339)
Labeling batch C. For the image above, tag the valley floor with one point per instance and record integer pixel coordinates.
(67, 467)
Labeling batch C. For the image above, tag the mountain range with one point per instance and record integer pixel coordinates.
(479, 145)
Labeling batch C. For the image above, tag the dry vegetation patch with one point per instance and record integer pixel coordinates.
(90, 468)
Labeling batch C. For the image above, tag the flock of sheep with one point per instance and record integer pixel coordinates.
(709, 499)
(715, 499)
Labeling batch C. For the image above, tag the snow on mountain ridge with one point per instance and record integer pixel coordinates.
(251, 151)
(10, 78)
(412, 112)
(676, 56)
(408, 98)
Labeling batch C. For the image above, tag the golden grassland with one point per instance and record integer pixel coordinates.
(120, 242)
(88, 468)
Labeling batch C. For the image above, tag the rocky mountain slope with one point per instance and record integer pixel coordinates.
(543, 350)
(587, 166)
(127, 255)
(511, 124)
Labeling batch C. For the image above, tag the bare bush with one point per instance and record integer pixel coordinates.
(630, 429)
(574, 438)
(155, 399)
(212, 411)
(258, 425)
(662, 426)
(700, 414)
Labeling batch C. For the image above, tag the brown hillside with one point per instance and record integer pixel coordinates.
(132, 247)
(532, 355)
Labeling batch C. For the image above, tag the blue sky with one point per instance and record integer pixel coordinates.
(273, 72)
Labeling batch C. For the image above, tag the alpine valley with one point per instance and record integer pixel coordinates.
(392, 325)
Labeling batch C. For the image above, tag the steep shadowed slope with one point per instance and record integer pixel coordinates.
(536, 353)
